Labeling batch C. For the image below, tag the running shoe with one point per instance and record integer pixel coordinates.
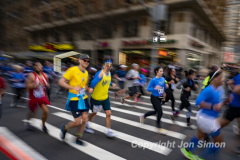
(172, 118)
(162, 131)
(236, 130)
(79, 142)
(110, 134)
(63, 132)
(137, 100)
(115, 95)
(44, 128)
(187, 154)
(89, 129)
(122, 100)
(176, 114)
(142, 119)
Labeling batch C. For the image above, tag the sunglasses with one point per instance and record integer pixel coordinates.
(86, 60)
(108, 64)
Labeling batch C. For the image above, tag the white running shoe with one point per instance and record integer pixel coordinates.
(89, 130)
(110, 134)
(236, 130)
(142, 119)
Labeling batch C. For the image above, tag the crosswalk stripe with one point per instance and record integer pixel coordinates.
(148, 97)
(16, 147)
(149, 104)
(150, 109)
(157, 148)
(139, 125)
(140, 114)
(89, 149)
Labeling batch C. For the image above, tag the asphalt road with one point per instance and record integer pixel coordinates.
(125, 123)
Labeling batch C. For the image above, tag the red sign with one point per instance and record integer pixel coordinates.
(103, 44)
(229, 57)
(163, 53)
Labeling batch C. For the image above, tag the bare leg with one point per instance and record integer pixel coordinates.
(45, 114)
(108, 118)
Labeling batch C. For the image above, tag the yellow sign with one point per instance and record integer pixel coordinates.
(49, 47)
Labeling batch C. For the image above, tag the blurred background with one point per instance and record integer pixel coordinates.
(199, 32)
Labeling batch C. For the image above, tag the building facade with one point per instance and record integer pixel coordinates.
(118, 29)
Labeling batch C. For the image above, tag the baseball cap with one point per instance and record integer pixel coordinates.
(134, 65)
(122, 66)
(84, 56)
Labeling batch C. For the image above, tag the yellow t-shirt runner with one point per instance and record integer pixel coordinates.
(76, 77)
(100, 91)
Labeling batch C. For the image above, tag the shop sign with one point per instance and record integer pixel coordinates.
(103, 44)
(49, 47)
(163, 53)
(145, 42)
(196, 44)
(229, 57)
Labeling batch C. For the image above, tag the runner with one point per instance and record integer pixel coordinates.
(209, 101)
(77, 102)
(48, 69)
(172, 81)
(187, 85)
(157, 86)
(3, 89)
(133, 77)
(17, 84)
(142, 81)
(120, 76)
(100, 99)
(36, 83)
(233, 112)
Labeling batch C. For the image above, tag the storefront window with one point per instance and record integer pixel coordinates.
(122, 58)
(193, 60)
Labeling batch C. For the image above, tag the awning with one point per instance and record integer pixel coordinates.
(57, 60)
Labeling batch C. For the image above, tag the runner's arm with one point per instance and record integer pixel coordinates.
(30, 81)
(96, 79)
(179, 86)
(63, 83)
(150, 86)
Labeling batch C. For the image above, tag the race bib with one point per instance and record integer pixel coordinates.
(161, 91)
(173, 86)
(38, 93)
(81, 92)
(97, 108)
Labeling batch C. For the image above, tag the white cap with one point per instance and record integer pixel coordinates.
(122, 66)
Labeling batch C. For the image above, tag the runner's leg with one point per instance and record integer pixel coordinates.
(45, 114)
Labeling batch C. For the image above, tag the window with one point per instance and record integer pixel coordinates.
(108, 4)
(56, 35)
(106, 31)
(57, 15)
(45, 36)
(71, 11)
(34, 37)
(86, 34)
(88, 7)
(194, 28)
(45, 17)
(70, 35)
(130, 28)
